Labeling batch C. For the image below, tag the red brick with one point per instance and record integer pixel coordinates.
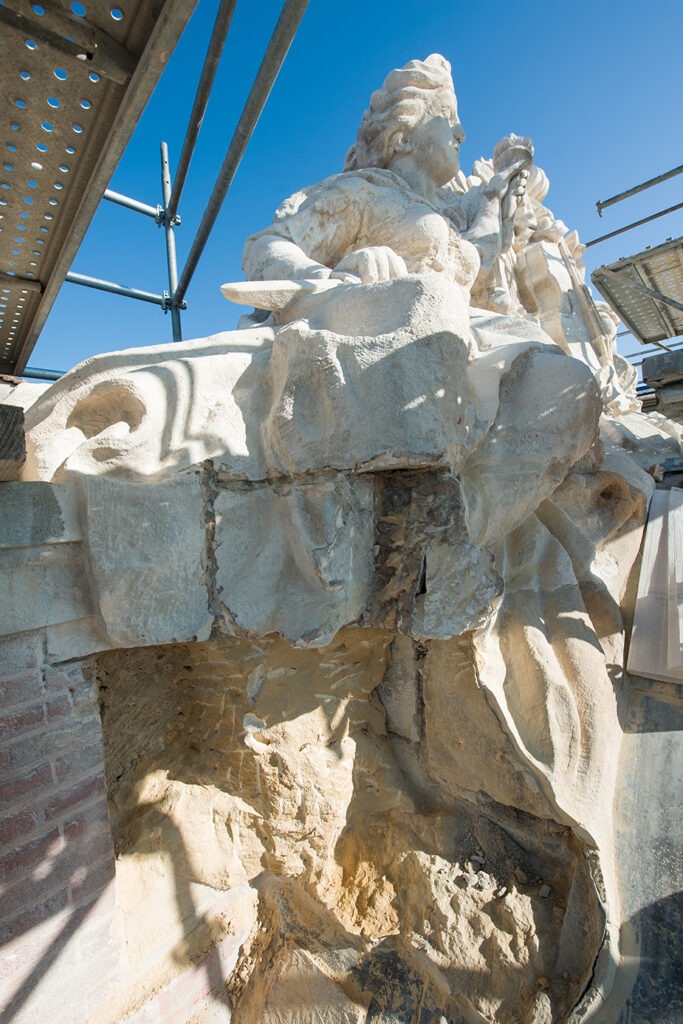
(27, 749)
(96, 876)
(23, 922)
(26, 719)
(21, 862)
(65, 869)
(187, 992)
(20, 824)
(68, 677)
(80, 761)
(23, 956)
(23, 688)
(98, 942)
(25, 754)
(59, 707)
(89, 822)
(60, 805)
(21, 651)
(38, 778)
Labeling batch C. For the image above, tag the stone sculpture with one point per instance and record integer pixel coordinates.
(405, 436)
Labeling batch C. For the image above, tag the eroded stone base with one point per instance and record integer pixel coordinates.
(382, 887)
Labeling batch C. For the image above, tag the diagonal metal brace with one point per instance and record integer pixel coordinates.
(642, 288)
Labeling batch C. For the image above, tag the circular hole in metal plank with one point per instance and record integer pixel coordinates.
(46, 126)
(78, 129)
(53, 102)
(116, 13)
(78, 9)
(61, 74)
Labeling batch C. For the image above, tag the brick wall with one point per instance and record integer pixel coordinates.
(60, 949)
(63, 950)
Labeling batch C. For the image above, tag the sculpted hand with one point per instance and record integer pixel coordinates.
(509, 182)
(371, 264)
(493, 228)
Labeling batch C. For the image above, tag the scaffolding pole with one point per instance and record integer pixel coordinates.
(211, 61)
(169, 224)
(288, 22)
(602, 204)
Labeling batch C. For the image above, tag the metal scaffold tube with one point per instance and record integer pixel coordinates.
(211, 61)
(602, 204)
(288, 22)
(131, 204)
(635, 224)
(115, 289)
(170, 244)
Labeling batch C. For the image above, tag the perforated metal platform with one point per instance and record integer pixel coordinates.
(636, 288)
(75, 78)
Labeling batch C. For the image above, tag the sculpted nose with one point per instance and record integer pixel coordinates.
(458, 133)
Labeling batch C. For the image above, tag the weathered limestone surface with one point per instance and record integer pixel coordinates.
(358, 578)
(242, 760)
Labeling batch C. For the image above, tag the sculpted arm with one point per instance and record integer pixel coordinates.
(491, 210)
(315, 235)
(311, 232)
(269, 257)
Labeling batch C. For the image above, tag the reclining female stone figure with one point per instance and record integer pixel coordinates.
(404, 254)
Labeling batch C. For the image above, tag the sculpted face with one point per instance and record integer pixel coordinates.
(435, 143)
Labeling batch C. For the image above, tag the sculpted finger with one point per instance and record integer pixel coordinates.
(397, 265)
(383, 265)
(345, 277)
(367, 266)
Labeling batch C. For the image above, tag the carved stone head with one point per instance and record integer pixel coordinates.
(410, 96)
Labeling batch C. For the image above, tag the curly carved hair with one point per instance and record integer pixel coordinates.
(407, 94)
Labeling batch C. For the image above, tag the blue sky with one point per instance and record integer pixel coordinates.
(598, 87)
